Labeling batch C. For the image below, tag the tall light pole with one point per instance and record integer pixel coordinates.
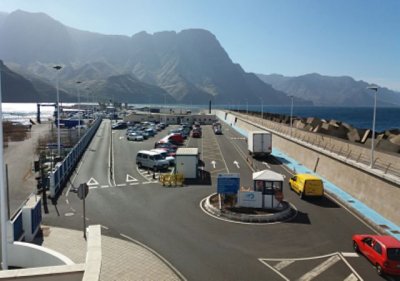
(262, 108)
(3, 193)
(375, 89)
(165, 108)
(291, 116)
(79, 109)
(58, 67)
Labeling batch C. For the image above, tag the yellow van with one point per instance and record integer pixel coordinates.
(307, 185)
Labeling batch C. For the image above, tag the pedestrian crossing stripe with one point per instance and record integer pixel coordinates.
(92, 181)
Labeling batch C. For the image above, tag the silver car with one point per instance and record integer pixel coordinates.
(134, 137)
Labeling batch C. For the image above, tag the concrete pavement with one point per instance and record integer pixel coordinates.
(122, 259)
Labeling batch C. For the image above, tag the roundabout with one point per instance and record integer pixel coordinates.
(285, 212)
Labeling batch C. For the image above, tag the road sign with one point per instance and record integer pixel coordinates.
(83, 191)
(228, 183)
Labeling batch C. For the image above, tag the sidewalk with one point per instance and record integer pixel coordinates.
(121, 259)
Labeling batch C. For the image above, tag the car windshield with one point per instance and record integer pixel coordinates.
(393, 254)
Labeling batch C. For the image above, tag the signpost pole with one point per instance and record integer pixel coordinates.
(84, 218)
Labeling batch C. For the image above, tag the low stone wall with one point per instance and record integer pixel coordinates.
(379, 192)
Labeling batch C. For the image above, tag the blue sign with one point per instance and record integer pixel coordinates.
(228, 183)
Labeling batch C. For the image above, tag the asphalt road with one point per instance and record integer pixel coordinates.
(316, 245)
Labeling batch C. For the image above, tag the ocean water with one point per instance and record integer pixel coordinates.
(359, 117)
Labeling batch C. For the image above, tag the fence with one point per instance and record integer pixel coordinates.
(60, 174)
(350, 152)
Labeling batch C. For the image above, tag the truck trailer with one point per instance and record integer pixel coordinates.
(259, 143)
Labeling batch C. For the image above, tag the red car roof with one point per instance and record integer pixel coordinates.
(387, 240)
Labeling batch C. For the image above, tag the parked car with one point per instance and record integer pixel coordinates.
(119, 126)
(167, 145)
(175, 139)
(307, 185)
(164, 153)
(382, 251)
(151, 159)
(196, 133)
(134, 137)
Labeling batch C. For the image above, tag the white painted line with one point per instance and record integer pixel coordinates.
(351, 277)
(349, 255)
(67, 201)
(121, 138)
(129, 178)
(213, 163)
(276, 271)
(236, 163)
(266, 164)
(134, 183)
(121, 184)
(103, 226)
(319, 269)
(351, 268)
(281, 265)
(93, 187)
(146, 182)
(104, 186)
(92, 181)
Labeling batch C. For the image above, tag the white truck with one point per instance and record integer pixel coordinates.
(259, 143)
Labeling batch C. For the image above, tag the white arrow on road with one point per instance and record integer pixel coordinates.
(213, 163)
(236, 163)
(266, 165)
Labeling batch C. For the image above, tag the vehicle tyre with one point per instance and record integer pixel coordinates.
(379, 269)
(139, 165)
(290, 186)
(355, 247)
(301, 194)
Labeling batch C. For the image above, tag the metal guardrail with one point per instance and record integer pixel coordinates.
(342, 149)
(60, 174)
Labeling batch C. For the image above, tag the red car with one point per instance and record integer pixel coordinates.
(196, 133)
(382, 251)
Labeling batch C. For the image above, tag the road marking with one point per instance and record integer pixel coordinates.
(121, 184)
(134, 183)
(266, 164)
(121, 137)
(236, 163)
(349, 255)
(351, 277)
(147, 182)
(129, 178)
(105, 227)
(320, 268)
(351, 268)
(281, 265)
(92, 181)
(213, 163)
(104, 186)
(92, 187)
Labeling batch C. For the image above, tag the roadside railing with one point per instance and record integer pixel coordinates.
(386, 163)
(60, 174)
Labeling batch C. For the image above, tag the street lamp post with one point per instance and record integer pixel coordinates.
(79, 109)
(165, 108)
(3, 193)
(375, 89)
(291, 116)
(58, 67)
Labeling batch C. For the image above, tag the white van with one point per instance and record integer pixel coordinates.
(152, 160)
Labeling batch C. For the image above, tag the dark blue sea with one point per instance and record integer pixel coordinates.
(359, 117)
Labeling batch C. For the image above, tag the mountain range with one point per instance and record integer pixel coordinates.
(331, 91)
(189, 66)
(186, 67)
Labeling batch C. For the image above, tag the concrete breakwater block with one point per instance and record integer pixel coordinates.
(387, 145)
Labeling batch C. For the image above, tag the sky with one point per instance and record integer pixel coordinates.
(357, 38)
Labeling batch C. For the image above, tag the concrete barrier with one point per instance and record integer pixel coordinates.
(376, 189)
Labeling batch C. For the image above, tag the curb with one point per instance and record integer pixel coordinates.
(284, 215)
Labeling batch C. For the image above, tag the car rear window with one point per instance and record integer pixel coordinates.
(393, 254)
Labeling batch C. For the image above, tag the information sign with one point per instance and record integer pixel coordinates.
(228, 183)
